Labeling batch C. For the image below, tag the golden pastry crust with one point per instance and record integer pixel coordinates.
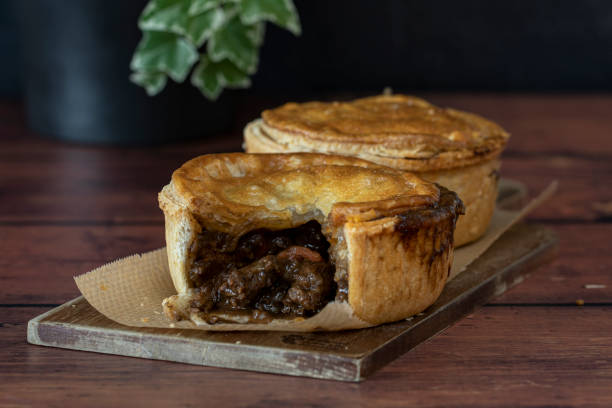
(390, 232)
(395, 130)
(476, 185)
(383, 294)
(458, 150)
(237, 192)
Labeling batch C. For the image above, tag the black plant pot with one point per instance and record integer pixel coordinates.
(76, 68)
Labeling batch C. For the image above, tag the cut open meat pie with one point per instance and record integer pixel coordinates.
(303, 241)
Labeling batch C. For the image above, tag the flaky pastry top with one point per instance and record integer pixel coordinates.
(238, 192)
(397, 126)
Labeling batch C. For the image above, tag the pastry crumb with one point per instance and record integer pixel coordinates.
(172, 325)
(103, 287)
(238, 342)
(580, 302)
(144, 320)
(594, 286)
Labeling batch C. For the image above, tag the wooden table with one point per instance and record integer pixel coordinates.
(65, 209)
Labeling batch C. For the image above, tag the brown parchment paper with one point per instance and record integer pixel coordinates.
(130, 290)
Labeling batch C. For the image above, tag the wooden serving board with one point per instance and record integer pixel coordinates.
(346, 356)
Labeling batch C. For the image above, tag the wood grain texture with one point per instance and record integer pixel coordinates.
(347, 356)
(581, 270)
(554, 124)
(554, 355)
(123, 188)
(583, 186)
(31, 254)
(499, 356)
(46, 257)
(48, 181)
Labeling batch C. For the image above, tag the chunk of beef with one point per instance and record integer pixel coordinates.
(299, 252)
(208, 266)
(238, 288)
(252, 246)
(271, 299)
(311, 285)
(273, 272)
(310, 236)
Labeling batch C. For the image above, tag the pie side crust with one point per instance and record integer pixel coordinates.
(392, 275)
(392, 272)
(476, 185)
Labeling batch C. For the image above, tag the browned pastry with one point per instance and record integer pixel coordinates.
(456, 149)
(303, 242)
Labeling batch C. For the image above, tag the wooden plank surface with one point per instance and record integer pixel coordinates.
(499, 356)
(67, 188)
(346, 356)
(584, 258)
(30, 253)
(554, 354)
(556, 124)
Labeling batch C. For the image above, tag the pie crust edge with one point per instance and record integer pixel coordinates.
(391, 274)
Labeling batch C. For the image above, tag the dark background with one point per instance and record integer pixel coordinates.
(68, 60)
(434, 45)
(444, 45)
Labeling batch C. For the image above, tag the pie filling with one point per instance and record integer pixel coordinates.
(268, 273)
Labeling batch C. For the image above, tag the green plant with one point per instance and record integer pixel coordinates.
(228, 34)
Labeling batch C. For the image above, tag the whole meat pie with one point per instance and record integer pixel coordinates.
(458, 150)
(303, 241)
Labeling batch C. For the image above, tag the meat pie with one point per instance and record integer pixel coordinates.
(269, 239)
